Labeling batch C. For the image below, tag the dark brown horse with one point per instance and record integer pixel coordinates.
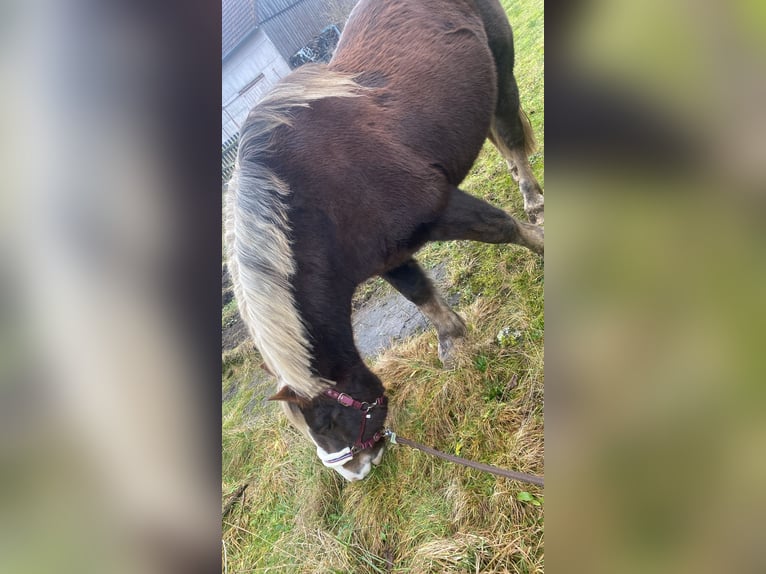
(346, 170)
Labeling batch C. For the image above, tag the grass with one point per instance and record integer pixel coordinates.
(414, 513)
(229, 313)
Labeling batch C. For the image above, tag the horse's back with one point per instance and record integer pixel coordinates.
(431, 72)
(359, 193)
(369, 173)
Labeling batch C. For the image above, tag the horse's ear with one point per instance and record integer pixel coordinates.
(289, 396)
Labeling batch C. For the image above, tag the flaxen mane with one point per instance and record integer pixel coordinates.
(259, 252)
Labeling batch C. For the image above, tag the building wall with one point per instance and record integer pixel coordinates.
(256, 56)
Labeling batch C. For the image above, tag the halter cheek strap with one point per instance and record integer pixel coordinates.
(341, 457)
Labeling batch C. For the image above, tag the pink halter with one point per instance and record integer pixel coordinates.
(348, 401)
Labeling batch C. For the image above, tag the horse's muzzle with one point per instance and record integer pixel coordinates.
(360, 466)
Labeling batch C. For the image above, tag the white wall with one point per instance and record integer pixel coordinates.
(257, 55)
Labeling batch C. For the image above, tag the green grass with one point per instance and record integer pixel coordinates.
(415, 513)
(229, 313)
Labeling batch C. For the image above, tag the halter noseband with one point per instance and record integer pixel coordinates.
(359, 445)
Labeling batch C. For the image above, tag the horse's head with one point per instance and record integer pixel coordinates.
(347, 431)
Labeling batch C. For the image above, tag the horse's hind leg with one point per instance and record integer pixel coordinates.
(512, 135)
(412, 282)
(510, 130)
(468, 217)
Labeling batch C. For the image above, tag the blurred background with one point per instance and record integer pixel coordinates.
(655, 269)
(110, 275)
(110, 262)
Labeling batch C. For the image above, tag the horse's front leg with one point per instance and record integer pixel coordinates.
(468, 217)
(412, 282)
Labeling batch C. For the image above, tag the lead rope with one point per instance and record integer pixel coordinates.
(520, 476)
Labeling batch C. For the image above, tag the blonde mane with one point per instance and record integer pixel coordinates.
(257, 230)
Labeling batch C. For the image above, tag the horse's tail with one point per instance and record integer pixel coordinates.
(530, 143)
(257, 232)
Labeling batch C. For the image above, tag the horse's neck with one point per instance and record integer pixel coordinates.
(331, 336)
(337, 359)
(326, 312)
(359, 382)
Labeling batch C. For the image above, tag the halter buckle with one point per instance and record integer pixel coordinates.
(345, 400)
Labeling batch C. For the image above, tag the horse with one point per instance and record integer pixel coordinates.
(344, 171)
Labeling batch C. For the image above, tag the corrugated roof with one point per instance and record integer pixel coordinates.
(290, 23)
(269, 8)
(238, 19)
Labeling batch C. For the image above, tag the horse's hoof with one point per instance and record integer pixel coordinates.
(537, 217)
(532, 237)
(536, 210)
(448, 347)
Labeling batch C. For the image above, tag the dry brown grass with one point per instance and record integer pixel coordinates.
(414, 513)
